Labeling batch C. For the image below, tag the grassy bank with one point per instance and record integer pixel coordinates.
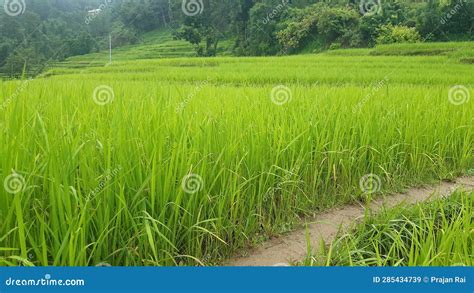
(440, 233)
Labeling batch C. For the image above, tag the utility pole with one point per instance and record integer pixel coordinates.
(110, 48)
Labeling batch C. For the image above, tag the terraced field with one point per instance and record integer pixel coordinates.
(154, 45)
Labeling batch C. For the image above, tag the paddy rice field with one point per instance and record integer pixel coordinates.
(184, 161)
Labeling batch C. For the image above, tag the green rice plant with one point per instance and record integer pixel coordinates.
(185, 161)
(438, 233)
(308, 70)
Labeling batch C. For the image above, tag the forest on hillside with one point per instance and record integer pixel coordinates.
(35, 33)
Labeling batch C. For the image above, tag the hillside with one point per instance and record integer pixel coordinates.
(157, 44)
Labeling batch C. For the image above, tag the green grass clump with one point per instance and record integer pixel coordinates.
(439, 233)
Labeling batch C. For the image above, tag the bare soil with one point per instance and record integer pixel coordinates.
(293, 246)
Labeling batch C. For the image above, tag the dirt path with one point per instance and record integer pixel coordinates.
(293, 246)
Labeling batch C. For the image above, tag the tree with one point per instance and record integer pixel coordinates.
(208, 26)
(241, 24)
(321, 23)
(265, 20)
(428, 19)
(391, 12)
(339, 25)
(301, 24)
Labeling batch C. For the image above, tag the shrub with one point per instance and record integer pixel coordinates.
(389, 34)
(335, 46)
(319, 21)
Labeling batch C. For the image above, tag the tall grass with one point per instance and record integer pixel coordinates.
(440, 233)
(105, 183)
